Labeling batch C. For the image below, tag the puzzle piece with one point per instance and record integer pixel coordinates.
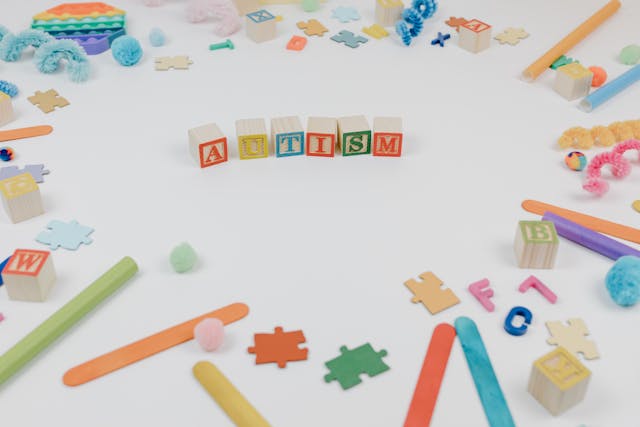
(349, 39)
(454, 22)
(429, 293)
(512, 36)
(279, 347)
(175, 62)
(48, 101)
(572, 338)
(36, 171)
(347, 367)
(66, 235)
(440, 39)
(345, 14)
(312, 27)
(376, 31)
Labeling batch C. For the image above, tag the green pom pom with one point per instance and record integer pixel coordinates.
(183, 258)
(630, 55)
(310, 5)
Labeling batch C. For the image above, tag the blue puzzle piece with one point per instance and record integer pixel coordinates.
(349, 39)
(66, 235)
(440, 39)
(2, 268)
(36, 171)
(345, 14)
(260, 16)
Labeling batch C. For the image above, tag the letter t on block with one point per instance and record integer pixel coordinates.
(483, 293)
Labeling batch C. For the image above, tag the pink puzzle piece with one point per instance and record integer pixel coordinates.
(534, 282)
(483, 293)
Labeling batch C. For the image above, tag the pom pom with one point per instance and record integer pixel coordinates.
(126, 50)
(623, 281)
(209, 333)
(576, 161)
(310, 5)
(12, 46)
(48, 56)
(197, 10)
(599, 76)
(6, 154)
(8, 88)
(156, 37)
(630, 54)
(183, 258)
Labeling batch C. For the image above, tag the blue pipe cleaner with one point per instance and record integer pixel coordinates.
(8, 88)
(413, 19)
(12, 46)
(48, 56)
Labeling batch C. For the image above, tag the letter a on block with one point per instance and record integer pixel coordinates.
(430, 294)
(213, 152)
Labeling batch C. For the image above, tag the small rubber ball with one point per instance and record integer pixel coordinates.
(6, 154)
(126, 50)
(599, 76)
(156, 37)
(575, 160)
(623, 281)
(630, 55)
(183, 258)
(209, 333)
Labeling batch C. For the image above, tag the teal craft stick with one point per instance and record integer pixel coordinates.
(493, 401)
(611, 89)
(63, 319)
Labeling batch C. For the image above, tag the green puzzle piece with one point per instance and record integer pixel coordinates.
(347, 367)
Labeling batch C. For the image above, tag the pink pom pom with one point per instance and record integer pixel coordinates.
(596, 186)
(198, 10)
(209, 333)
(228, 24)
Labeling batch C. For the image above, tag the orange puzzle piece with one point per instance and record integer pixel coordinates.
(456, 22)
(280, 347)
(430, 293)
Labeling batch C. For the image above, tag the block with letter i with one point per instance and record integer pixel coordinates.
(475, 36)
(387, 136)
(388, 12)
(208, 145)
(536, 244)
(21, 197)
(287, 135)
(252, 139)
(322, 135)
(558, 381)
(261, 26)
(354, 135)
(573, 81)
(29, 275)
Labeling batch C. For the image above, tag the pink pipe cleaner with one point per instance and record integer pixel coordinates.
(630, 144)
(620, 167)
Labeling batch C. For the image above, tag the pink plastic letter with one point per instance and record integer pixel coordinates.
(483, 295)
(534, 282)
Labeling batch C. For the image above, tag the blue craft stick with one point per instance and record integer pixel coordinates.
(611, 89)
(491, 397)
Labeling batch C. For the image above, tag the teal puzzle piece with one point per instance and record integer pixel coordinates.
(66, 235)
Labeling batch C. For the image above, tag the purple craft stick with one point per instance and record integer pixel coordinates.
(588, 238)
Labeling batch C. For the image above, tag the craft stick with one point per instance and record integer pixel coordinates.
(576, 36)
(63, 319)
(588, 238)
(491, 397)
(141, 349)
(591, 222)
(11, 134)
(237, 407)
(611, 89)
(427, 389)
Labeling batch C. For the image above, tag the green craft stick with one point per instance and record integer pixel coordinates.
(63, 319)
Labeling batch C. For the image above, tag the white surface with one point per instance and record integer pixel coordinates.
(318, 244)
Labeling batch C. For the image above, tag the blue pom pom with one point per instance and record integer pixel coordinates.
(623, 281)
(48, 56)
(126, 50)
(8, 88)
(156, 37)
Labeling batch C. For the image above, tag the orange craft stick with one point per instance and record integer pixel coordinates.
(10, 135)
(576, 36)
(596, 224)
(426, 392)
(148, 346)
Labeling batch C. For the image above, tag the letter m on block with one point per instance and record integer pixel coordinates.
(387, 144)
(26, 262)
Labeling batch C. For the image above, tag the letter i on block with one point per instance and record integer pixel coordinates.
(29, 275)
(354, 135)
(475, 36)
(288, 136)
(208, 145)
(21, 197)
(387, 136)
(388, 12)
(252, 139)
(536, 244)
(322, 134)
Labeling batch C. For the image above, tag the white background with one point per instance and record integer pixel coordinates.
(322, 245)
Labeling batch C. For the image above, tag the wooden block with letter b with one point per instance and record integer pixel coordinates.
(252, 139)
(322, 134)
(387, 136)
(354, 135)
(29, 275)
(21, 197)
(536, 244)
(208, 145)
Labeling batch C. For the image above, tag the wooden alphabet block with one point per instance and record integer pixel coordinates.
(558, 381)
(6, 109)
(387, 136)
(29, 275)
(430, 293)
(388, 12)
(208, 145)
(288, 136)
(247, 6)
(536, 244)
(475, 36)
(354, 135)
(322, 136)
(261, 26)
(573, 81)
(252, 139)
(21, 197)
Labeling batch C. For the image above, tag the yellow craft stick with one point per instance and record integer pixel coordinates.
(576, 36)
(227, 396)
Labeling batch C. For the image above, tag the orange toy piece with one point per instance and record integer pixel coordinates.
(599, 76)
(10, 135)
(280, 347)
(297, 43)
(454, 22)
(79, 10)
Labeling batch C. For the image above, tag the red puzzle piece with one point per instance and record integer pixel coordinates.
(280, 347)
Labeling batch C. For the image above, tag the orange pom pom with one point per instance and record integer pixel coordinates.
(599, 76)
